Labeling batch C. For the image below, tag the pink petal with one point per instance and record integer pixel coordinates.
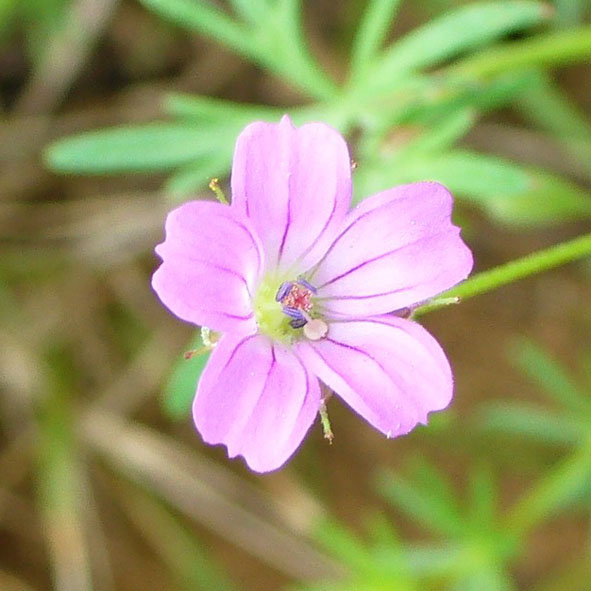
(388, 369)
(294, 185)
(256, 398)
(211, 263)
(395, 249)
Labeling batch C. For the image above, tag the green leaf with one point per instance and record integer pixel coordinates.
(519, 418)
(208, 110)
(570, 12)
(433, 560)
(553, 49)
(188, 180)
(549, 200)
(7, 13)
(422, 504)
(41, 19)
(460, 31)
(486, 578)
(276, 43)
(483, 497)
(544, 103)
(374, 26)
(565, 484)
(253, 11)
(549, 375)
(208, 20)
(182, 383)
(344, 544)
(547, 106)
(508, 192)
(150, 147)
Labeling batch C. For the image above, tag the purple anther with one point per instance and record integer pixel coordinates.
(293, 312)
(283, 290)
(298, 322)
(307, 285)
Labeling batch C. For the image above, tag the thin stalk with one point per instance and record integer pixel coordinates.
(531, 264)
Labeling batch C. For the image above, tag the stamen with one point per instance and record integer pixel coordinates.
(307, 285)
(293, 312)
(295, 298)
(283, 290)
(298, 322)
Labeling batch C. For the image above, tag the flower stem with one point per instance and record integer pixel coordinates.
(504, 274)
(214, 185)
(323, 412)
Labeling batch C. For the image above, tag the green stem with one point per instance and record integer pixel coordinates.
(217, 190)
(513, 271)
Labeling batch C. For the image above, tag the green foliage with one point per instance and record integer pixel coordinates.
(463, 30)
(42, 18)
(7, 12)
(182, 383)
(568, 425)
(471, 549)
(270, 35)
(410, 117)
(152, 147)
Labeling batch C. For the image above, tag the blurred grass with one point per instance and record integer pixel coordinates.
(86, 348)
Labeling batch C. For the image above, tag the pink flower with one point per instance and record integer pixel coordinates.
(302, 289)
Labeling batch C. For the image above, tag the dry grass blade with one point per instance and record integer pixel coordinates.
(9, 582)
(65, 55)
(189, 484)
(63, 494)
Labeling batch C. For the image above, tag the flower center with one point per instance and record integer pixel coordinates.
(289, 314)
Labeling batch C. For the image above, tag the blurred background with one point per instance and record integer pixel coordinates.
(113, 111)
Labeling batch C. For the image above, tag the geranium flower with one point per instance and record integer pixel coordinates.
(305, 290)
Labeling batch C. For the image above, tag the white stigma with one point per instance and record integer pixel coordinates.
(315, 329)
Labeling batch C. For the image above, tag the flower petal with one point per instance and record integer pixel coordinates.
(256, 398)
(211, 263)
(294, 185)
(388, 369)
(395, 249)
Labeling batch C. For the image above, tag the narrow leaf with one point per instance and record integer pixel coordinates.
(419, 504)
(549, 375)
(204, 109)
(208, 20)
(460, 31)
(514, 418)
(551, 49)
(508, 192)
(483, 497)
(564, 485)
(151, 147)
(374, 26)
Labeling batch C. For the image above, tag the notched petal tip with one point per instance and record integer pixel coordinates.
(256, 398)
(211, 261)
(294, 183)
(389, 370)
(395, 249)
